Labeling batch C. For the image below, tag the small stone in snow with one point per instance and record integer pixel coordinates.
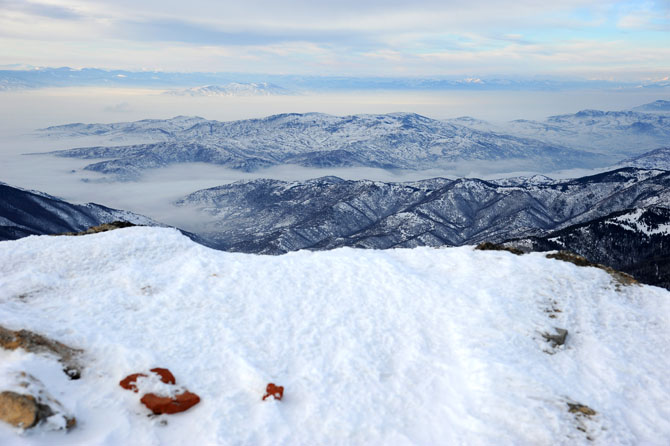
(558, 338)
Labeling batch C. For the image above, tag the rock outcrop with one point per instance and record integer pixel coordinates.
(18, 410)
(36, 343)
(29, 405)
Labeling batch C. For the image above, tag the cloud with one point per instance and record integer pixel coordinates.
(39, 9)
(643, 21)
(348, 37)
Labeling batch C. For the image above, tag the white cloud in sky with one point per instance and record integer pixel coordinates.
(426, 37)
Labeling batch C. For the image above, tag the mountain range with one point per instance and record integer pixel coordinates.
(233, 89)
(660, 106)
(273, 217)
(586, 139)
(391, 141)
(619, 133)
(24, 77)
(586, 215)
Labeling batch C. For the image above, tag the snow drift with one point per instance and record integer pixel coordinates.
(406, 346)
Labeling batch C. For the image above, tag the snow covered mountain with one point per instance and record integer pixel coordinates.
(270, 216)
(622, 133)
(233, 89)
(636, 241)
(397, 347)
(654, 159)
(399, 140)
(656, 106)
(24, 213)
(146, 130)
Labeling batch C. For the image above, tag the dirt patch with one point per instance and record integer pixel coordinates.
(580, 410)
(102, 228)
(582, 414)
(488, 246)
(567, 256)
(36, 343)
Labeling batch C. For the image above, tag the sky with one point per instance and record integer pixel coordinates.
(595, 39)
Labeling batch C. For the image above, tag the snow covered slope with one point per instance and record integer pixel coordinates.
(397, 347)
(397, 140)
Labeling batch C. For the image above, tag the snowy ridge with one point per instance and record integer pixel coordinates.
(421, 346)
(25, 213)
(271, 216)
(396, 140)
(146, 129)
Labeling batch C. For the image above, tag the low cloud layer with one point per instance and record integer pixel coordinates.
(23, 112)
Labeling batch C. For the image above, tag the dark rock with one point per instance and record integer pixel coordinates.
(73, 374)
(558, 338)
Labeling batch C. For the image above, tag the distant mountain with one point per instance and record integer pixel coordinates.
(269, 216)
(655, 159)
(10, 83)
(41, 77)
(146, 129)
(393, 141)
(656, 106)
(616, 133)
(233, 89)
(636, 241)
(24, 213)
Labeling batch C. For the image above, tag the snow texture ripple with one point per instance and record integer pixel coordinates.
(396, 347)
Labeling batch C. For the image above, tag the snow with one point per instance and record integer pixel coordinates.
(633, 222)
(406, 346)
